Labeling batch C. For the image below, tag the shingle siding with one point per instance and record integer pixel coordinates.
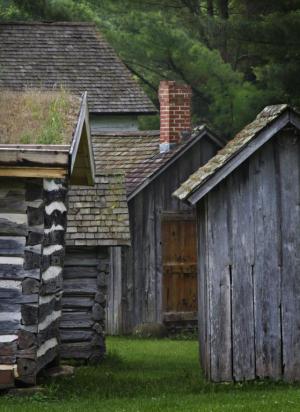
(99, 215)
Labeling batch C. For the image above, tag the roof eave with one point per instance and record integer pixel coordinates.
(197, 193)
(82, 148)
(205, 131)
(34, 161)
(137, 112)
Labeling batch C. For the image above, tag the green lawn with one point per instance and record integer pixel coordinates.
(150, 375)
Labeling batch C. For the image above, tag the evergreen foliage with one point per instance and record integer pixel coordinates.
(238, 55)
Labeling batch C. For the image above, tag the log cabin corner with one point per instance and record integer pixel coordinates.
(34, 180)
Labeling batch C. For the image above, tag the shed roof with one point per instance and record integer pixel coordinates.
(74, 159)
(268, 122)
(69, 55)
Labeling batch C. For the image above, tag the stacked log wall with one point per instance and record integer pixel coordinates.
(84, 299)
(26, 216)
(55, 222)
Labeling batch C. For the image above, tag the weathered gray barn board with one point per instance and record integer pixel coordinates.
(141, 288)
(249, 248)
(84, 299)
(113, 320)
(31, 260)
(289, 176)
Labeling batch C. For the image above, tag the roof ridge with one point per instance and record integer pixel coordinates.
(134, 133)
(46, 23)
(161, 161)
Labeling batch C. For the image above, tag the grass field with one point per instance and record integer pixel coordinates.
(153, 376)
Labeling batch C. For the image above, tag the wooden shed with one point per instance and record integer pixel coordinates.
(248, 224)
(155, 279)
(34, 181)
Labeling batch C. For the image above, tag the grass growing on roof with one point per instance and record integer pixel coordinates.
(37, 117)
(152, 376)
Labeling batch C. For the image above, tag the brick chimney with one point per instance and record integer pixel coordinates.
(175, 113)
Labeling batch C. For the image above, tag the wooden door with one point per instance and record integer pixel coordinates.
(179, 254)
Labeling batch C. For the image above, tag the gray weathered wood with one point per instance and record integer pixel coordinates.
(73, 302)
(114, 294)
(219, 289)
(80, 286)
(81, 350)
(30, 286)
(29, 314)
(76, 320)
(203, 313)
(17, 272)
(266, 268)
(12, 245)
(14, 224)
(142, 264)
(79, 272)
(12, 199)
(289, 155)
(26, 339)
(68, 335)
(242, 245)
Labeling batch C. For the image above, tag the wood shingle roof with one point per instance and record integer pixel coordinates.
(137, 154)
(73, 56)
(267, 123)
(99, 215)
(123, 152)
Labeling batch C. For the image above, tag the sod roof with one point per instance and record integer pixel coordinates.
(38, 117)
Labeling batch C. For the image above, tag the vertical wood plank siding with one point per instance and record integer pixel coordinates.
(141, 286)
(249, 267)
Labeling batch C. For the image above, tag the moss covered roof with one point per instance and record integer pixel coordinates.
(37, 116)
(239, 142)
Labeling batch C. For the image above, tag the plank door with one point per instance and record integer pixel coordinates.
(179, 254)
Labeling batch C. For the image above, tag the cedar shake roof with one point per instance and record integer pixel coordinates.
(68, 55)
(98, 215)
(138, 156)
(122, 152)
(151, 167)
(245, 139)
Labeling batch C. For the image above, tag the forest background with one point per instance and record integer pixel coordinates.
(238, 55)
